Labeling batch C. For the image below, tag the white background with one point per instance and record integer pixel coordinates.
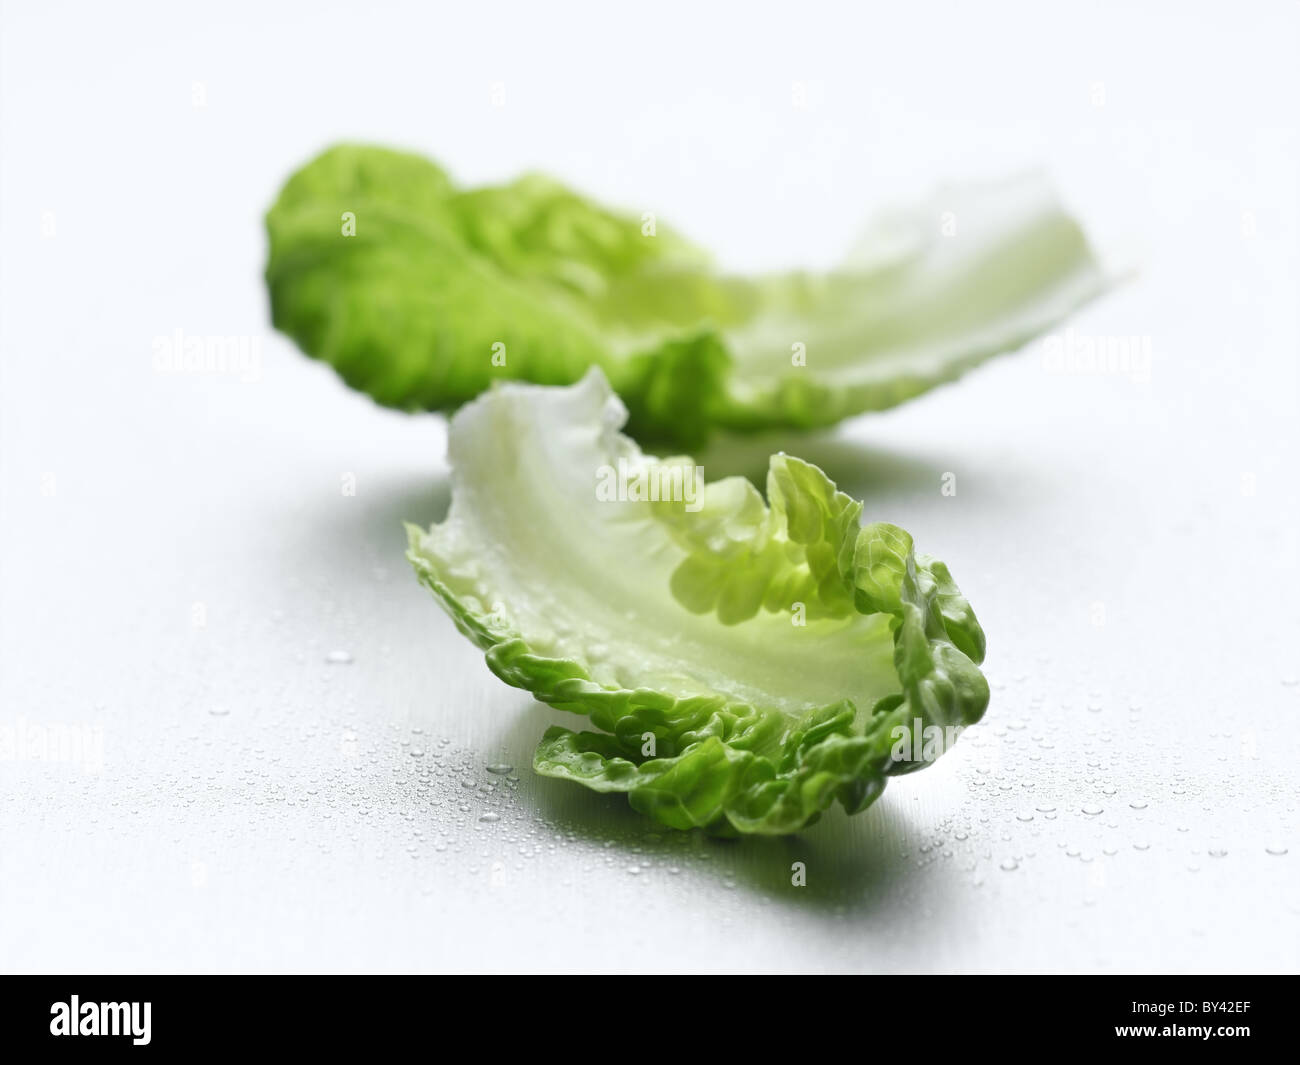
(1130, 547)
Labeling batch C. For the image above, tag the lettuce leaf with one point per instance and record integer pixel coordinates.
(747, 663)
(422, 295)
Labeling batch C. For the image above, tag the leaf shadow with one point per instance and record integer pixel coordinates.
(857, 467)
(373, 533)
(850, 865)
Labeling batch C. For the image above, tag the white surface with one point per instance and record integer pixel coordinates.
(257, 808)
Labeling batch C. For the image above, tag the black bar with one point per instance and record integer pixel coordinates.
(338, 1014)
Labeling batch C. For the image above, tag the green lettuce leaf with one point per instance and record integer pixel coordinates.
(746, 662)
(422, 295)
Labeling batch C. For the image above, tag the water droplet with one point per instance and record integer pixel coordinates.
(1024, 815)
(339, 658)
(489, 819)
(416, 752)
(1277, 852)
(1091, 809)
(1009, 865)
(1217, 852)
(1138, 804)
(219, 711)
(500, 768)
(1142, 846)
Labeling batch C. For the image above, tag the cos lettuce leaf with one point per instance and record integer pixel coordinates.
(422, 295)
(746, 663)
